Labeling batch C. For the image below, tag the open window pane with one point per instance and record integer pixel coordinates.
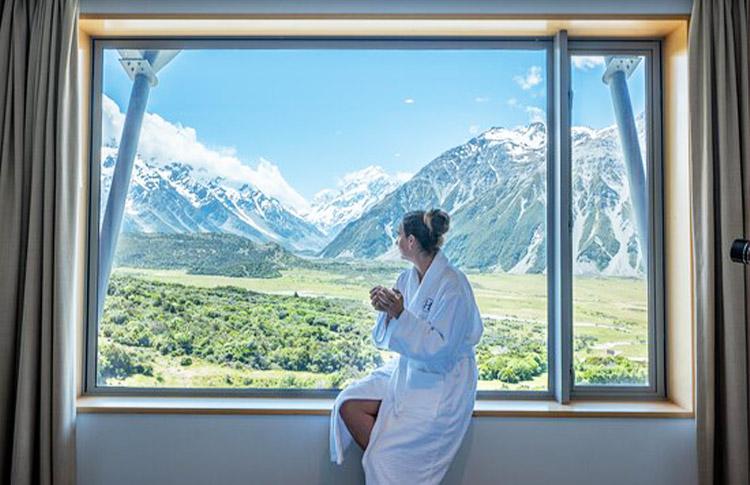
(264, 200)
(610, 213)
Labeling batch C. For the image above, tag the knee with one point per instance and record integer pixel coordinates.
(346, 409)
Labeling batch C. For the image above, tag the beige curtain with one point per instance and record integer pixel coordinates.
(720, 158)
(39, 183)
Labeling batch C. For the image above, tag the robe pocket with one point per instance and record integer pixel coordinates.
(423, 392)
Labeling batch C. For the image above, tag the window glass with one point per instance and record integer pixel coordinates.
(610, 207)
(262, 198)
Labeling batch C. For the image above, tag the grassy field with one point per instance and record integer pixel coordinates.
(610, 317)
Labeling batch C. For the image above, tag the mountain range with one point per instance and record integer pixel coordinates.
(493, 186)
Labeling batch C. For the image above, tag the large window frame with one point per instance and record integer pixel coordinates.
(559, 304)
(651, 51)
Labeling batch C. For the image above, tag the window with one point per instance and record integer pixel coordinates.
(246, 194)
(615, 225)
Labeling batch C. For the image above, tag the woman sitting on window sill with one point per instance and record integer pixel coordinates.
(410, 415)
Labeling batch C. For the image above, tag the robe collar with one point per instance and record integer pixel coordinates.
(432, 275)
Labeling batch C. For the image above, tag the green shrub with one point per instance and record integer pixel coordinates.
(610, 369)
(116, 361)
(512, 368)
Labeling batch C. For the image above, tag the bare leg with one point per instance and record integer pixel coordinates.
(359, 416)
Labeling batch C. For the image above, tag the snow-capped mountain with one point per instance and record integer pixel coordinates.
(494, 187)
(356, 193)
(171, 198)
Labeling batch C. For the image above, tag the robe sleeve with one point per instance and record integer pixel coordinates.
(381, 333)
(431, 338)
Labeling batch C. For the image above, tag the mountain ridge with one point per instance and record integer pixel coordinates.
(496, 180)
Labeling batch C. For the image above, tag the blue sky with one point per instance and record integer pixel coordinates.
(320, 114)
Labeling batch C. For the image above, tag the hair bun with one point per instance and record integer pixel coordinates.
(427, 227)
(437, 221)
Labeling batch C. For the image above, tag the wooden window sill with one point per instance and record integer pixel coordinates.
(300, 406)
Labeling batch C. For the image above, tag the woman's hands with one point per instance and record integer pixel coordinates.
(387, 300)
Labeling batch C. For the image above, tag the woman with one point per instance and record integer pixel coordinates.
(411, 414)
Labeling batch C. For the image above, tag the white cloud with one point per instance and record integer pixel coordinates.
(586, 63)
(532, 77)
(162, 142)
(536, 115)
(409, 101)
(112, 121)
(481, 99)
(267, 177)
(473, 129)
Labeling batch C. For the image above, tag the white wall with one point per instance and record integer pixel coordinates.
(200, 449)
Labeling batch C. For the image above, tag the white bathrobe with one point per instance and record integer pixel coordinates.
(428, 392)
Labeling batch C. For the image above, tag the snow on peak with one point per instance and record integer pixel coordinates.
(499, 133)
(532, 136)
(163, 142)
(365, 175)
(356, 192)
